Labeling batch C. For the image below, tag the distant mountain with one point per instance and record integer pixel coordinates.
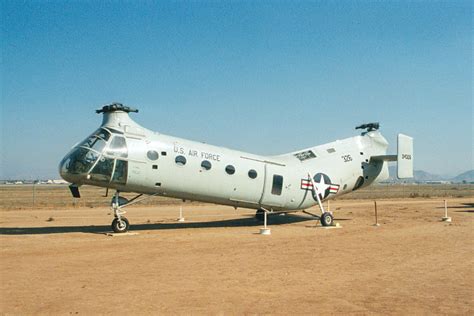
(467, 176)
(423, 176)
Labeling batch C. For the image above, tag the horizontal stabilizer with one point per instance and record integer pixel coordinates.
(404, 157)
(384, 158)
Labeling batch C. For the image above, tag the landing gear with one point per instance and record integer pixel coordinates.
(120, 225)
(121, 201)
(327, 219)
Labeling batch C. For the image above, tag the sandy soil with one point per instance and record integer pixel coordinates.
(61, 262)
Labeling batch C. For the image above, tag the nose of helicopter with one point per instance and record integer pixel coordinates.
(76, 165)
(65, 169)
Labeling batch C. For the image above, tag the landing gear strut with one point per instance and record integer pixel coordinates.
(326, 217)
(120, 223)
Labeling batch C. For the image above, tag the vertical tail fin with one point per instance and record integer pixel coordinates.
(405, 157)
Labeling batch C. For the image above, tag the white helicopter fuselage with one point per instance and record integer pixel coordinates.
(123, 155)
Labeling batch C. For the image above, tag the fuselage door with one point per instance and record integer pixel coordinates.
(277, 189)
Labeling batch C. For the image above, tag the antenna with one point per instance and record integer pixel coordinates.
(369, 126)
(116, 107)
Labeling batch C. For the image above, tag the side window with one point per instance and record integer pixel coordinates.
(206, 165)
(103, 170)
(120, 173)
(152, 155)
(230, 169)
(252, 174)
(180, 160)
(277, 184)
(118, 147)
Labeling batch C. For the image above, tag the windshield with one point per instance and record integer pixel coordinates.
(97, 140)
(89, 162)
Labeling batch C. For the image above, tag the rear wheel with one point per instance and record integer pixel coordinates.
(327, 219)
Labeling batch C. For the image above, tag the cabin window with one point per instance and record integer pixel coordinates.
(152, 155)
(120, 173)
(118, 147)
(252, 174)
(180, 160)
(277, 184)
(163, 153)
(206, 165)
(230, 169)
(102, 171)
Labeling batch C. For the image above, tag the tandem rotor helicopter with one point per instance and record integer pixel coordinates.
(126, 157)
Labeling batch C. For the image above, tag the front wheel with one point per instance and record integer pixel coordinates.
(120, 225)
(327, 219)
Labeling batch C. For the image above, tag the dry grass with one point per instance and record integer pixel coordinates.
(58, 196)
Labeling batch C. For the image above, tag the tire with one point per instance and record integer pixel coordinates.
(327, 219)
(260, 215)
(120, 226)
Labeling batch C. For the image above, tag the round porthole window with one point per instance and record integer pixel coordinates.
(230, 169)
(152, 155)
(180, 160)
(206, 165)
(252, 174)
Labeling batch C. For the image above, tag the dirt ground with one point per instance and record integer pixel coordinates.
(61, 262)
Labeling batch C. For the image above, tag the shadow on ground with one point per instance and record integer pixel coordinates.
(238, 222)
(462, 206)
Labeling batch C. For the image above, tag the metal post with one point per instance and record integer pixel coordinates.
(265, 220)
(446, 218)
(34, 193)
(181, 218)
(265, 230)
(376, 215)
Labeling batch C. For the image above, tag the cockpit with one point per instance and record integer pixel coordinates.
(100, 159)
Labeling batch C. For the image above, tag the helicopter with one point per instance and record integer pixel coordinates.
(122, 155)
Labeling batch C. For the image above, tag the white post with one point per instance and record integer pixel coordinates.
(265, 230)
(265, 220)
(181, 218)
(446, 218)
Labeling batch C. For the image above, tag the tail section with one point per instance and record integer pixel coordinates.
(404, 157)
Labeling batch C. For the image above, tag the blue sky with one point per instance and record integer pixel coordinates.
(260, 76)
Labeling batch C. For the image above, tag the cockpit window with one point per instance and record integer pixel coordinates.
(80, 161)
(118, 147)
(102, 170)
(97, 140)
(102, 133)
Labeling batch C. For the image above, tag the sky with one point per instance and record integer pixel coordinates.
(267, 77)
